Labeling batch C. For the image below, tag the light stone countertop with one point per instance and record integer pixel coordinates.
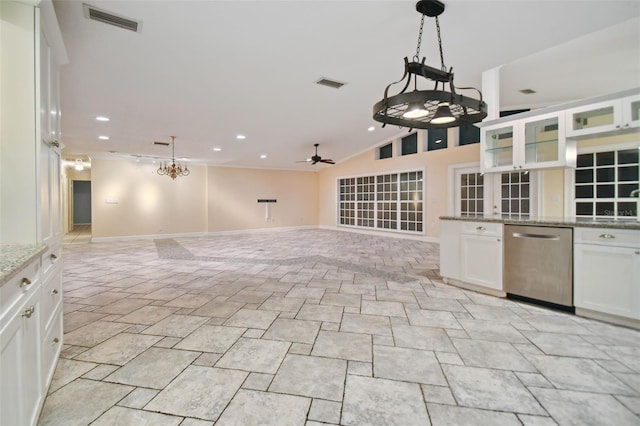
(630, 223)
(14, 257)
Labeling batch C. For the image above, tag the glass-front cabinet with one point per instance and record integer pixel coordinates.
(498, 147)
(614, 115)
(530, 143)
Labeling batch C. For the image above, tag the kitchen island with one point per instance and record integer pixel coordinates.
(605, 261)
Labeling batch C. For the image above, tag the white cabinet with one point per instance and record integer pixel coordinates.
(471, 253)
(607, 271)
(481, 247)
(523, 144)
(20, 381)
(608, 116)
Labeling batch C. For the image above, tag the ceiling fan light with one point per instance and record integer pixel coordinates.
(415, 110)
(443, 115)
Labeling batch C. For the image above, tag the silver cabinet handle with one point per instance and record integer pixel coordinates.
(29, 311)
(539, 236)
(53, 257)
(55, 340)
(607, 236)
(54, 291)
(480, 228)
(25, 282)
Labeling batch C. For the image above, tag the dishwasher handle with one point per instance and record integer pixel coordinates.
(537, 236)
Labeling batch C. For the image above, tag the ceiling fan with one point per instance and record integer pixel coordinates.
(317, 159)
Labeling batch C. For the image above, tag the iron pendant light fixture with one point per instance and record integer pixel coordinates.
(428, 109)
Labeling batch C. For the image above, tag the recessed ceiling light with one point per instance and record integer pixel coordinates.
(217, 149)
(371, 129)
(241, 137)
(102, 118)
(104, 138)
(263, 156)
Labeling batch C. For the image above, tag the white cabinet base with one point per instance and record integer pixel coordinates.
(476, 288)
(612, 319)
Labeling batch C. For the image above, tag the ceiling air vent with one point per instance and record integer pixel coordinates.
(330, 83)
(91, 12)
(161, 143)
(527, 91)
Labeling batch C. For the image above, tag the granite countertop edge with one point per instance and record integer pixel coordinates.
(15, 257)
(613, 224)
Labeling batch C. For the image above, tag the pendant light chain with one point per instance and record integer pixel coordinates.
(442, 67)
(417, 56)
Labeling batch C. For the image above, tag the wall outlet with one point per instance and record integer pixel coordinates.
(111, 200)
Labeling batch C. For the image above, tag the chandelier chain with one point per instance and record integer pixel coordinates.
(442, 67)
(417, 56)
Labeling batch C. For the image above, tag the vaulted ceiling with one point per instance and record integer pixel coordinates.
(207, 71)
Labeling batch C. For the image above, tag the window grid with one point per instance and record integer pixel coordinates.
(347, 201)
(411, 201)
(515, 193)
(387, 201)
(471, 194)
(366, 196)
(604, 182)
(391, 201)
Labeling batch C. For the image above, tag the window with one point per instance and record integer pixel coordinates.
(511, 194)
(604, 182)
(390, 201)
(515, 194)
(385, 151)
(366, 201)
(411, 201)
(468, 134)
(471, 194)
(347, 204)
(387, 201)
(436, 139)
(409, 144)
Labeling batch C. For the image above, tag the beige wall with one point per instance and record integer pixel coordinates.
(143, 203)
(233, 195)
(435, 164)
(130, 199)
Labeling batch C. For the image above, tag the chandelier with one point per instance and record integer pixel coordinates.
(172, 170)
(428, 109)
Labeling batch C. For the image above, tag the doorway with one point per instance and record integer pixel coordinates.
(81, 203)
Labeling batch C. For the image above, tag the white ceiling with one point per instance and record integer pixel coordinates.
(206, 71)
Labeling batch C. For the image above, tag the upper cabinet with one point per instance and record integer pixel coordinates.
(546, 138)
(609, 116)
(523, 144)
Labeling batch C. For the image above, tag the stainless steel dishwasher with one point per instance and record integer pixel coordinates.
(538, 264)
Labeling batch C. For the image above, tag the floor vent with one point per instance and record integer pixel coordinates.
(91, 12)
(330, 83)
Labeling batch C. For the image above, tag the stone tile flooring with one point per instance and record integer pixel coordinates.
(318, 327)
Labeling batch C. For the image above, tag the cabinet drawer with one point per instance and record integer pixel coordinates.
(607, 237)
(50, 258)
(19, 287)
(50, 348)
(482, 228)
(50, 297)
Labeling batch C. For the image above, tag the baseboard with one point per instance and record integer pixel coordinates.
(388, 234)
(146, 237)
(609, 318)
(198, 234)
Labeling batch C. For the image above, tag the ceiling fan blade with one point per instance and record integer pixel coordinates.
(314, 162)
(328, 161)
(303, 161)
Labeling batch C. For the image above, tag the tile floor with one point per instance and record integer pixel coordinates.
(320, 327)
(79, 234)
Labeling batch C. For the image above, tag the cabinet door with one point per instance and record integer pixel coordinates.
(544, 143)
(607, 279)
(46, 231)
(631, 111)
(594, 118)
(497, 147)
(482, 260)
(20, 385)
